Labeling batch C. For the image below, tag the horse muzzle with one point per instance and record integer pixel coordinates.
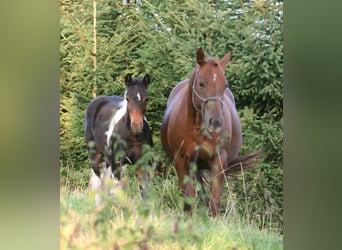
(137, 127)
(214, 125)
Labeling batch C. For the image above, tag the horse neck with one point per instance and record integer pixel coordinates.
(191, 109)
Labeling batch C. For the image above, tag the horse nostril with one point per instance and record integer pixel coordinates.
(137, 126)
(215, 122)
(220, 122)
(211, 121)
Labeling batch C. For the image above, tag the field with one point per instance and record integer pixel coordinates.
(126, 221)
(100, 43)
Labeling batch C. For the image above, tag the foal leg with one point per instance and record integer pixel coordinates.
(116, 154)
(109, 179)
(143, 178)
(95, 176)
(110, 182)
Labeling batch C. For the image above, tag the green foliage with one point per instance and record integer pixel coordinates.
(160, 38)
(260, 190)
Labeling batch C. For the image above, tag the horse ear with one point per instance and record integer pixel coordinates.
(146, 80)
(200, 56)
(225, 60)
(128, 79)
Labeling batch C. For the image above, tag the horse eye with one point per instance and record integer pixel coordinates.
(146, 99)
(202, 84)
(127, 99)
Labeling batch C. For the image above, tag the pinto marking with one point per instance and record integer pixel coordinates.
(116, 118)
(105, 115)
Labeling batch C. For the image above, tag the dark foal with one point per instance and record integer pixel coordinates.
(116, 129)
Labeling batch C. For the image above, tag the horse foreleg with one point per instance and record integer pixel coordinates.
(186, 178)
(116, 154)
(95, 157)
(95, 186)
(216, 184)
(143, 178)
(95, 176)
(203, 194)
(216, 189)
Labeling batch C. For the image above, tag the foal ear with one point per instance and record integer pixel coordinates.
(128, 79)
(225, 60)
(200, 56)
(146, 80)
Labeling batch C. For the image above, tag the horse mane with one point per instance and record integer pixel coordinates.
(192, 75)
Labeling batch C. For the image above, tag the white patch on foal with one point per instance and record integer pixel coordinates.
(95, 186)
(116, 118)
(139, 97)
(110, 182)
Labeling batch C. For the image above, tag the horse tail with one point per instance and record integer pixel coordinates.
(244, 162)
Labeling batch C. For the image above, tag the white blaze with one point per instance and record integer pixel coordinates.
(214, 77)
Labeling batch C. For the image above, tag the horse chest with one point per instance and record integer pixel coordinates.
(203, 149)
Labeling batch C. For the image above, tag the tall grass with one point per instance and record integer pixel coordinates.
(126, 221)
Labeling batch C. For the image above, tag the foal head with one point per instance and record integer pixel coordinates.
(136, 97)
(208, 86)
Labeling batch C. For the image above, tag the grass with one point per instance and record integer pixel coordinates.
(125, 221)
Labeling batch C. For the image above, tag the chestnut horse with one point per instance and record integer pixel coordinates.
(117, 128)
(201, 125)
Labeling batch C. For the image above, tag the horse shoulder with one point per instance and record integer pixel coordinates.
(173, 120)
(98, 103)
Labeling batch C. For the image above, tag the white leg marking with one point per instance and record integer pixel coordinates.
(95, 186)
(110, 182)
(98, 199)
(116, 118)
(95, 181)
(109, 173)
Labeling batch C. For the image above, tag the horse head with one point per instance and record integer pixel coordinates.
(208, 86)
(136, 97)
